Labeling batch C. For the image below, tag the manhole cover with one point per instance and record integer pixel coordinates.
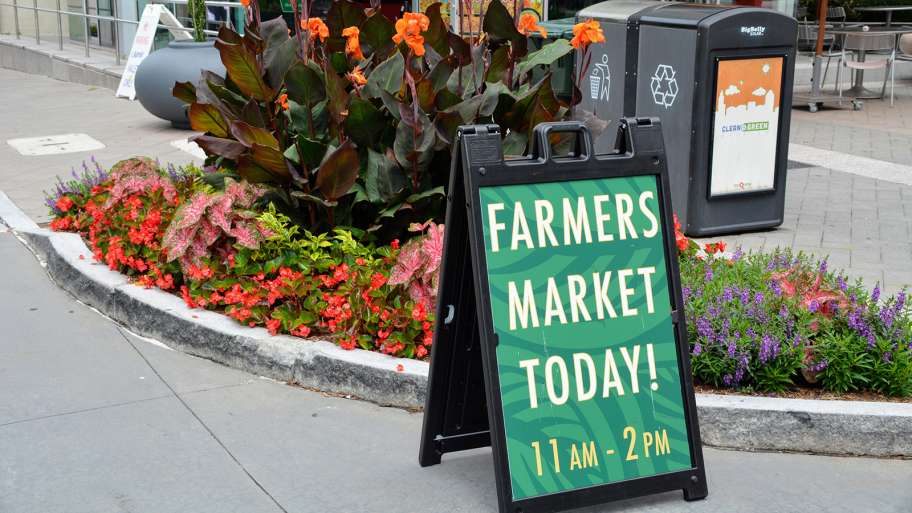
(55, 144)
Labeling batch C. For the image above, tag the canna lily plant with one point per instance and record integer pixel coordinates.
(351, 119)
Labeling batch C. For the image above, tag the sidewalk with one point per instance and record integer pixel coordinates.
(101, 421)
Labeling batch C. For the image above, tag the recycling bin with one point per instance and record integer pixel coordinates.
(720, 79)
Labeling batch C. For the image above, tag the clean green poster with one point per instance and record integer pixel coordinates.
(586, 350)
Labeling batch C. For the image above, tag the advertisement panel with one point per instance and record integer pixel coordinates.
(745, 125)
(586, 354)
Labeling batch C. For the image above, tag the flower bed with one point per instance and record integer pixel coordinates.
(166, 228)
(328, 143)
(759, 322)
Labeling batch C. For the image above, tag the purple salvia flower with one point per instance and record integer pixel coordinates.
(887, 357)
(823, 266)
(698, 349)
(776, 287)
(708, 275)
(745, 296)
(813, 306)
(727, 295)
(766, 349)
(886, 316)
(727, 380)
(783, 312)
(731, 349)
(704, 328)
(875, 295)
(843, 286)
(758, 298)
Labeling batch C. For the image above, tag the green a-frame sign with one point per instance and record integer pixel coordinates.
(559, 340)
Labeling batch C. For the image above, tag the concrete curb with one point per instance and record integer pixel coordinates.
(740, 422)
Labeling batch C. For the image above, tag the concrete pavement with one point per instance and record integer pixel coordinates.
(34, 106)
(96, 420)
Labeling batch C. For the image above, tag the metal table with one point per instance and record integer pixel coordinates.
(888, 10)
(858, 89)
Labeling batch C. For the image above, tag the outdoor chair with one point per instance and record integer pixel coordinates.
(905, 52)
(868, 43)
(807, 37)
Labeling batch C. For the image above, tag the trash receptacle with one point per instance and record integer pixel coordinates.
(720, 78)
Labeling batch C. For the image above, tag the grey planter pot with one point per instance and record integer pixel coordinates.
(180, 61)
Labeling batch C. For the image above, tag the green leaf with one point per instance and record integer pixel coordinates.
(440, 75)
(547, 55)
(271, 160)
(312, 151)
(304, 84)
(426, 95)
(228, 148)
(249, 135)
(387, 76)
(278, 59)
(249, 170)
(436, 35)
(383, 178)
(365, 123)
(337, 97)
(414, 140)
(391, 103)
(514, 144)
(499, 25)
(184, 91)
(252, 114)
(500, 63)
(314, 199)
(343, 14)
(430, 193)
(376, 33)
(491, 97)
(242, 67)
(274, 31)
(207, 118)
(281, 50)
(338, 172)
(445, 99)
(446, 124)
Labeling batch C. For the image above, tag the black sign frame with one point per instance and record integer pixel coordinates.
(478, 162)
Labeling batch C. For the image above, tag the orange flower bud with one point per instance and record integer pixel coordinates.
(352, 42)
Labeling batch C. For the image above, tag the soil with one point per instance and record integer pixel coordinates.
(808, 393)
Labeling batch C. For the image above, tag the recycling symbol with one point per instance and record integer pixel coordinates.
(664, 86)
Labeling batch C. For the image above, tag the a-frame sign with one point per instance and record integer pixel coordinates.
(559, 340)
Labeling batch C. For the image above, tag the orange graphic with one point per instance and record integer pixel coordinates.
(742, 81)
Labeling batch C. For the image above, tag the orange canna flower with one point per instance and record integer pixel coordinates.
(409, 29)
(316, 28)
(352, 42)
(245, 3)
(528, 24)
(282, 101)
(357, 77)
(586, 33)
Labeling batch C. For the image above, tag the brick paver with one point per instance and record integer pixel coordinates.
(860, 224)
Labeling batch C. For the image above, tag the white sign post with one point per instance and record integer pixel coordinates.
(142, 43)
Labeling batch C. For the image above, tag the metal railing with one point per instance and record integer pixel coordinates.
(116, 21)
